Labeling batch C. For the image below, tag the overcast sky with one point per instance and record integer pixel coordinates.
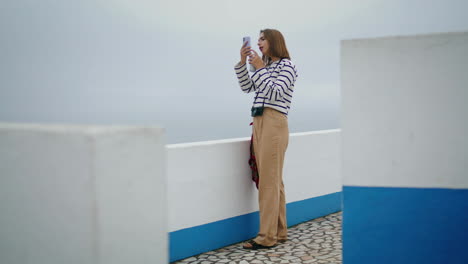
(170, 63)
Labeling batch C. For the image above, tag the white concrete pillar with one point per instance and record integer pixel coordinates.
(405, 149)
(79, 194)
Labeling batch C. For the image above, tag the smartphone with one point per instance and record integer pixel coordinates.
(249, 44)
(246, 39)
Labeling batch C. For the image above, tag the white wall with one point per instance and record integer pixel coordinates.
(210, 181)
(80, 194)
(405, 149)
(404, 111)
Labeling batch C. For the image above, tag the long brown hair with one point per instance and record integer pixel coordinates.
(277, 45)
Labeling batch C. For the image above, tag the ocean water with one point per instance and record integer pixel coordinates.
(224, 127)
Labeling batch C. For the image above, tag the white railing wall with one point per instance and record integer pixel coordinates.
(210, 182)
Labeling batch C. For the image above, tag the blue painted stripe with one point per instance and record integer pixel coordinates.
(195, 240)
(306, 210)
(404, 225)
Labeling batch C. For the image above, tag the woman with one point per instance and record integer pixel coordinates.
(273, 84)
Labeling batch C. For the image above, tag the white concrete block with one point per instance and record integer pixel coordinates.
(404, 110)
(78, 194)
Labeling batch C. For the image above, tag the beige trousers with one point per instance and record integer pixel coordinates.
(270, 138)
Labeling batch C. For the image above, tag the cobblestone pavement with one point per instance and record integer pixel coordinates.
(316, 241)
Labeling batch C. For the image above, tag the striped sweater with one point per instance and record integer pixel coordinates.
(274, 84)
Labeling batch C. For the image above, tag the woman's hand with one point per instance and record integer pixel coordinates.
(244, 52)
(256, 60)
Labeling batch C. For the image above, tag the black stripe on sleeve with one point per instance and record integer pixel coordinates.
(240, 67)
(249, 88)
(240, 77)
(244, 82)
